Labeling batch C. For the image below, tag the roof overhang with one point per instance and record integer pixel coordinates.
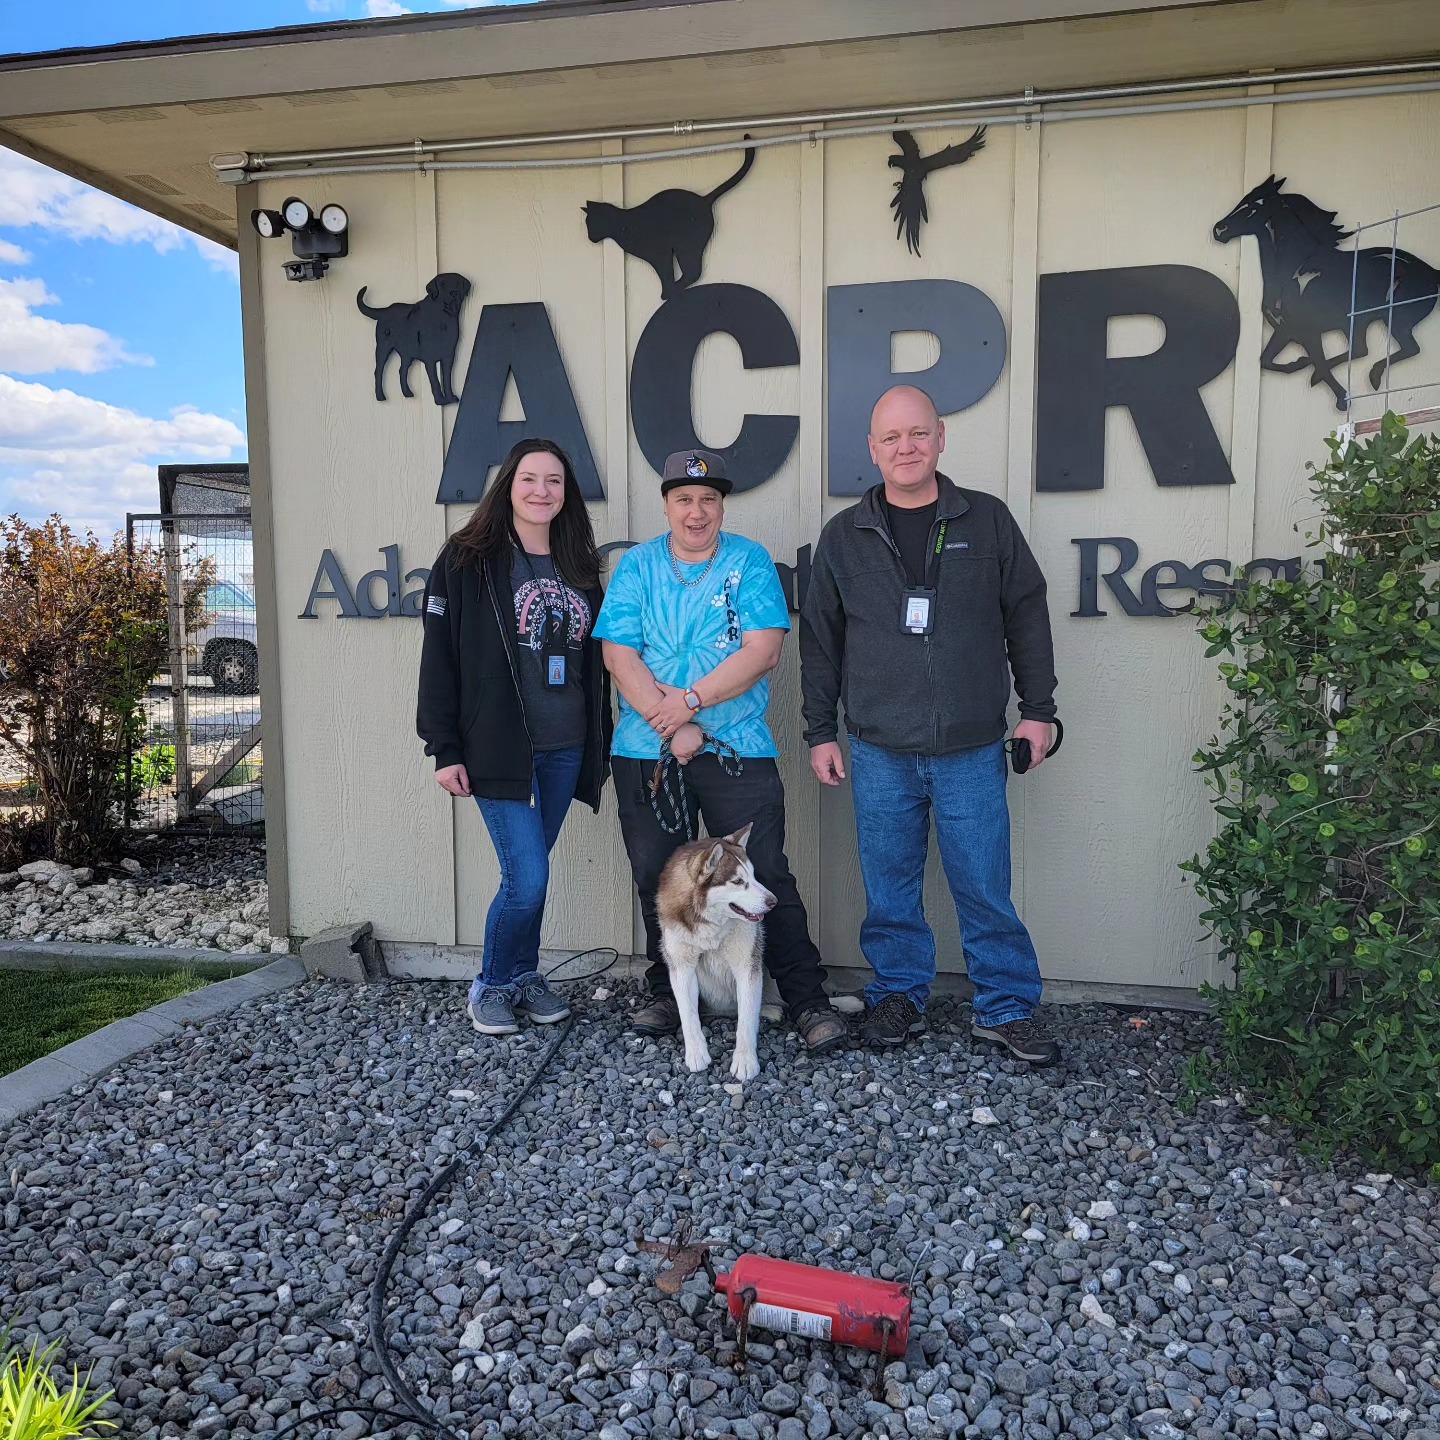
(141, 121)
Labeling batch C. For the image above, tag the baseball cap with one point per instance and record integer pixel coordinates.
(695, 467)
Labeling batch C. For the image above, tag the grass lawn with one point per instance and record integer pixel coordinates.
(45, 1009)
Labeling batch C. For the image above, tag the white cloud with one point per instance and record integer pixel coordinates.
(33, 194)
(13, 254)
(90, 461)
(33, 344)
(378, 9)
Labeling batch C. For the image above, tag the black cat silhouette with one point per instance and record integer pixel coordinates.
(1309, 286)
(669, 230)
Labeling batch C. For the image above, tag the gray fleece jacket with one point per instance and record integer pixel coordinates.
(925, 694)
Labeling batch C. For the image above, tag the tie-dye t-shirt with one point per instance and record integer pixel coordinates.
(683, 632)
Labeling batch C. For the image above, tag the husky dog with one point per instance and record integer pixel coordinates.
(710, 906)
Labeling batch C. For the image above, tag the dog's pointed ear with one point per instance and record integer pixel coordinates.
(742, 836)
(711, 860)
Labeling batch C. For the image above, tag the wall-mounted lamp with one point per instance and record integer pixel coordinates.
(316, 239)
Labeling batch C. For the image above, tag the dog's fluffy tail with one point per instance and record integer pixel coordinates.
(369, 311)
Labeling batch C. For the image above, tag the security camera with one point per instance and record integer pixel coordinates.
(315, 240)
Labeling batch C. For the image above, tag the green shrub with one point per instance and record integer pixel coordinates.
(83, 630)
(152, 768)
(34, 1407)
(1323, 885)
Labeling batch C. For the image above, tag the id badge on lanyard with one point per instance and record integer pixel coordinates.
(917, 604)
(918, 611)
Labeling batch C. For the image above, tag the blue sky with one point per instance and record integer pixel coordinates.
(119, 334)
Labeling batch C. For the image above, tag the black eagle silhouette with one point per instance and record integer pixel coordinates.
(909, 200)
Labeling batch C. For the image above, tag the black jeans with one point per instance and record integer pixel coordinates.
(726, 803)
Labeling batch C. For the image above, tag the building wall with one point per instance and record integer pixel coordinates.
(1099, 833)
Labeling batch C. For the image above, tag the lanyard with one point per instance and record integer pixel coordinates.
(934, 560)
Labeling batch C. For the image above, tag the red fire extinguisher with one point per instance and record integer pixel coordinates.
(819, 1304)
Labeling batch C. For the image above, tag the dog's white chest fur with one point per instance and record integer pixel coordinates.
(717, 954)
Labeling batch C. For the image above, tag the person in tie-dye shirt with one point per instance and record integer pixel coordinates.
(692, 626)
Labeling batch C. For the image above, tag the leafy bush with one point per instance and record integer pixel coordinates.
(152, 768)
(82, 633)
(1323, 885)
(34, 1407)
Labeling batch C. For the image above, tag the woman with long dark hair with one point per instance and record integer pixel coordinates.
(515, 702)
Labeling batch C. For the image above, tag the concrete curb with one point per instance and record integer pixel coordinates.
(73, 956)
(49, 1077)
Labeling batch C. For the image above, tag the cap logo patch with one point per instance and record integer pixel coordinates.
(696, 468)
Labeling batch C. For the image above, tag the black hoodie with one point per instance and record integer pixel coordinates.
(469, 710)
(925, 694)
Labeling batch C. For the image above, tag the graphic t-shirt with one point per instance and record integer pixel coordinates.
(551, 619)
(683, 631)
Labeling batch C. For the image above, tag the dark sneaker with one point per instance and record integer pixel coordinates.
(1022, 1040)
(538, 1002)
(892, 1021)
(491, 1013)
(660, 1015)
(822, 1029)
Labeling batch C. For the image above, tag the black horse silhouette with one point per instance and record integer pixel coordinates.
(1308, 282)
(670, 229)
(908, 202)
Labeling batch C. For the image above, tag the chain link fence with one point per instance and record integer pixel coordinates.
(199, 760)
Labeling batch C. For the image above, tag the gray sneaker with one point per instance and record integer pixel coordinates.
(538, 1002)
(491, 1013)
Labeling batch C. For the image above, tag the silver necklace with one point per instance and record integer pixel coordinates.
(675, 564)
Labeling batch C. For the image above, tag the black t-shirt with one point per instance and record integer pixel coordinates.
(910, 530)
(551, 619)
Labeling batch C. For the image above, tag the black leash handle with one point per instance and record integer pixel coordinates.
(669, 777)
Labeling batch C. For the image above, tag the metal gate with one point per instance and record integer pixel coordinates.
(198, 759)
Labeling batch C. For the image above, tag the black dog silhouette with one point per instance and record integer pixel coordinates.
(908, 202)
(669, 229)
(1307, 282)
(427, 331)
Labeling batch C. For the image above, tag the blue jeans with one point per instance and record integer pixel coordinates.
(524, 834)
(895, 793)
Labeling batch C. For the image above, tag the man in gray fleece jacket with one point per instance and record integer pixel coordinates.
(923, 600)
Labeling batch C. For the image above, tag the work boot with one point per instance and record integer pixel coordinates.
(660, 1015)
(822, 1029)
(1022, 1040)
(538, 1002)
(892, 1020)
(491, 1012)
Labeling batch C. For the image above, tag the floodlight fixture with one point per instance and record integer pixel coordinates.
(316, 240)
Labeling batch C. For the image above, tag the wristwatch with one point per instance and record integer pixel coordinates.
(692, 699)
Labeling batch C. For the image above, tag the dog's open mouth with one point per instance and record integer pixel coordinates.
(747, 914)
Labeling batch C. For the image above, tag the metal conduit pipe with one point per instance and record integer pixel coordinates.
(237, 176)
(1028, 99)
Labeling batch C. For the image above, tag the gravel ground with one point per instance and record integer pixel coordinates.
(171, 890)
(203, 1224)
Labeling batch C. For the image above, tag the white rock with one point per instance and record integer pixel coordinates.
(472, 1337)
(1090, 1308)
(666, 1098)
(131, 867)
(279, 946)
(596, 1288)
(1033, 1234)
(460, 1095)
(451, 1227)
(983, 1115)
(1102, 1210)
(1079, 1230)
(42, 869)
